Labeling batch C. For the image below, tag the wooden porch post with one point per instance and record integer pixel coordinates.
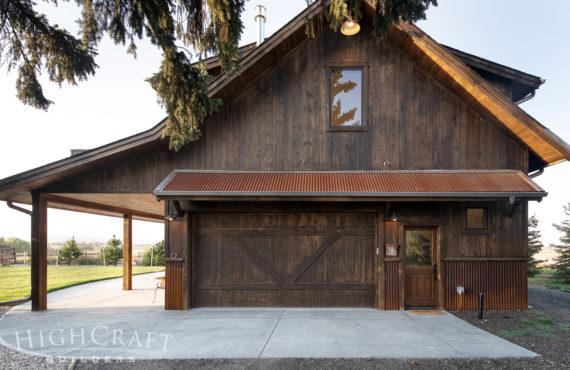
(39, 253)
(128, 252)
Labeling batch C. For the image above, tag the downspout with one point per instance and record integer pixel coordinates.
(536, 173)
(17, 208)
(28, 298)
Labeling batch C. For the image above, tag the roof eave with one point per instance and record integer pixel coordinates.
(516, 120)
(88, 156)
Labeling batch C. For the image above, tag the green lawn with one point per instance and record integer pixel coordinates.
(548, 278)
(15, 280)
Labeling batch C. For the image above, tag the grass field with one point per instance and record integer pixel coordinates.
(15, 280)
(548, 278)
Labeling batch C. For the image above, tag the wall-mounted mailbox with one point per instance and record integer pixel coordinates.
(392, 250)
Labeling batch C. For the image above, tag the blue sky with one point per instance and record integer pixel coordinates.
(117, 102)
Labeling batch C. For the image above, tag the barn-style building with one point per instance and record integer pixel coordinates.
(340, 172)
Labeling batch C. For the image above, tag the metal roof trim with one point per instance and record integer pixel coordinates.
(539, 194)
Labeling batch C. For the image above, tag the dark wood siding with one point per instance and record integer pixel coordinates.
(279, 122)
(284, 259)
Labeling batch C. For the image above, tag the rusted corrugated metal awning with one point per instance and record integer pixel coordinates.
(498, 183)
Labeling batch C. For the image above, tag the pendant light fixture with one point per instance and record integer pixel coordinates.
(350, 27)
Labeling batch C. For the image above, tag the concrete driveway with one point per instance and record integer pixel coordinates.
(99, 320)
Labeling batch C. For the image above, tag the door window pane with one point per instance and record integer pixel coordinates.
(418, 247)
(346, 97)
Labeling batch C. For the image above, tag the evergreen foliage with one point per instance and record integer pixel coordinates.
(31, 44)
(70, 252)
(394, 11)
(338, 117)
(386, 13)
(157, 255)
(534, 246)
(562, 265)
(113, 252)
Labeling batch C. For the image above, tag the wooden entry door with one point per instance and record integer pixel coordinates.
(420, 288)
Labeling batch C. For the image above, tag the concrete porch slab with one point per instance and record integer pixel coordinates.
(99, 320)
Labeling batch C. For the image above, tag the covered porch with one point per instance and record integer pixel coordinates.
(128, 207)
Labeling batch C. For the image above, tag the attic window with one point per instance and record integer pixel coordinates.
(345, 103)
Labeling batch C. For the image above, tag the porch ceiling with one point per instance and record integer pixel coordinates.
(143, 207)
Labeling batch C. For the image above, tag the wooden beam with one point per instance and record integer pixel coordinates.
(55, 199)
(128, 252)
(39, 253)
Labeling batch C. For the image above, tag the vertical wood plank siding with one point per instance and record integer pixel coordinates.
(504, 284)
(174, 297)
(391, 285)
(278, 122)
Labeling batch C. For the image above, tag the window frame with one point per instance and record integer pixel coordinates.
(363, 96)
(487, 219)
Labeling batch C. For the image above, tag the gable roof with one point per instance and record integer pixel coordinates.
(432, 57)
(429, 55)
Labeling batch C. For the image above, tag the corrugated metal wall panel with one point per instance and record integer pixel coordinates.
(391, 285)
(174, 295)
(504, 284)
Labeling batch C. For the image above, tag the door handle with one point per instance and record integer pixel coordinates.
(435, 271)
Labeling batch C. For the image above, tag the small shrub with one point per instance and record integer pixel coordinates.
(157, 255)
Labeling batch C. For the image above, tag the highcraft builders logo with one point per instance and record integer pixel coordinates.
(91, 344)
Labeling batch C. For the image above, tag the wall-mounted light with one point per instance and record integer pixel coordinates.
(175, 213)
(393, 216)
(171, 216)
(350, 27)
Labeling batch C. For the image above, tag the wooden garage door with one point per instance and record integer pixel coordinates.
(284, 260)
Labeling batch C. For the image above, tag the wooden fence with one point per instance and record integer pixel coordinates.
(23, 258)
